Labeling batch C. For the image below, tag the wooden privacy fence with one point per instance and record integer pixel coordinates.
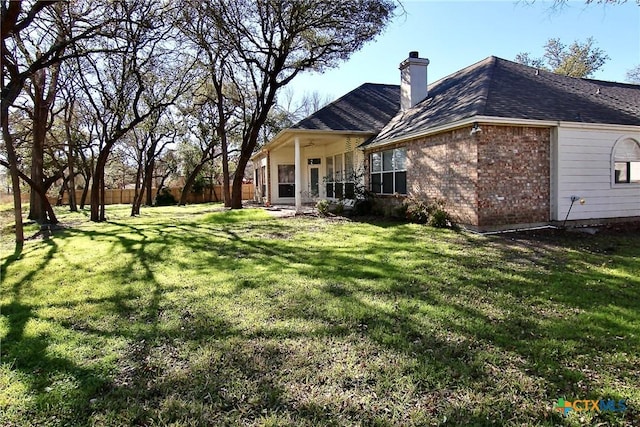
(112, 197)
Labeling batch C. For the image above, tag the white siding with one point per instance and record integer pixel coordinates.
(584, 169)
(258, 164)
(280, 156)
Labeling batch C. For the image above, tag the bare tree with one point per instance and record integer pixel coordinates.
(633, 75)
(42, 89)
(151, 140)
(220, 98)
(559, 4)
(201, 144)
(525, 58)
(166, 166)
(72, 144)
(266, 44)
(288, 111)
(24, 29)
(116, 83)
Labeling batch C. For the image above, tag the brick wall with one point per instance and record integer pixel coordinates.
(444, 166)
(497, 177)
(513, 175)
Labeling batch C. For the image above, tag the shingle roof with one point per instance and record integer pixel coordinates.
(500, 88)
(367, 108)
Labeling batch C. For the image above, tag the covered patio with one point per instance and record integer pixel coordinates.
(319, 157)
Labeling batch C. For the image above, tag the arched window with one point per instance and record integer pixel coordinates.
(626, 162)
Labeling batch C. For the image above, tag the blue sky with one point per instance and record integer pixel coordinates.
(455, 34)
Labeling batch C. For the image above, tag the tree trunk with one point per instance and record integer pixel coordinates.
(189, 183)
(26, 179)
(226, 194)
(37, 210)
(236, 190)
(85, 193)
(97, 186)
(162, 181)
(15, 179)
(63, 188)
(138, 193)
(10, 93)
(87, 174)
(103, 213)
(148, 182)
(73, 207)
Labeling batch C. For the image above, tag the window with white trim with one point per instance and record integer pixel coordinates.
(626, 162)
(286, 181)
(340, 178)
(389, 171)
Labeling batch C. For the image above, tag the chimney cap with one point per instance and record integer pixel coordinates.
(413, 54)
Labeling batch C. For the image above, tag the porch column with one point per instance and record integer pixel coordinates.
(268, 179)
(298, 175)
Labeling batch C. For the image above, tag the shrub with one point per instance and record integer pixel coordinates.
(416, 210)
(433, 214)
(165, 198)
(440, 219)
(323, 206)
(363, 207)
(397, 211)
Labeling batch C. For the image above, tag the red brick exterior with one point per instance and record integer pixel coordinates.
(444, 167)
(497, 177)
(513, 175)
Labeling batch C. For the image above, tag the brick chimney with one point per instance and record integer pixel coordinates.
(413, 80)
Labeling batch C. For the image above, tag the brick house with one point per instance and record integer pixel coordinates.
(502, 144)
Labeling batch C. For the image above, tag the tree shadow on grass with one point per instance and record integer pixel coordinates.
(28, 352)
(456, 355)
(473, 333)
(63, 388)
(538, 333)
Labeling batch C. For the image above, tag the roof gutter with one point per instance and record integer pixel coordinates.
(463, 123)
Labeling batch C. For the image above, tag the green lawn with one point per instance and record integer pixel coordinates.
(197, 316)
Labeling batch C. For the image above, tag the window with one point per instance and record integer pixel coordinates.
(626, 162)
(286, 180)
(329, 178)
(260, 182)
(340, 178)
(337, 165)
(389, 172)
(348, 166)
(349, 176)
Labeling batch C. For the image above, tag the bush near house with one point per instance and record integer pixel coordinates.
(322, 206)
(421, 212)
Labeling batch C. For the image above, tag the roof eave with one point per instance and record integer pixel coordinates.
(510, 121)
(463, 123)
(282, 136)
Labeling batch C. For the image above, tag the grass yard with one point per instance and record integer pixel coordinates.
(197, 316)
